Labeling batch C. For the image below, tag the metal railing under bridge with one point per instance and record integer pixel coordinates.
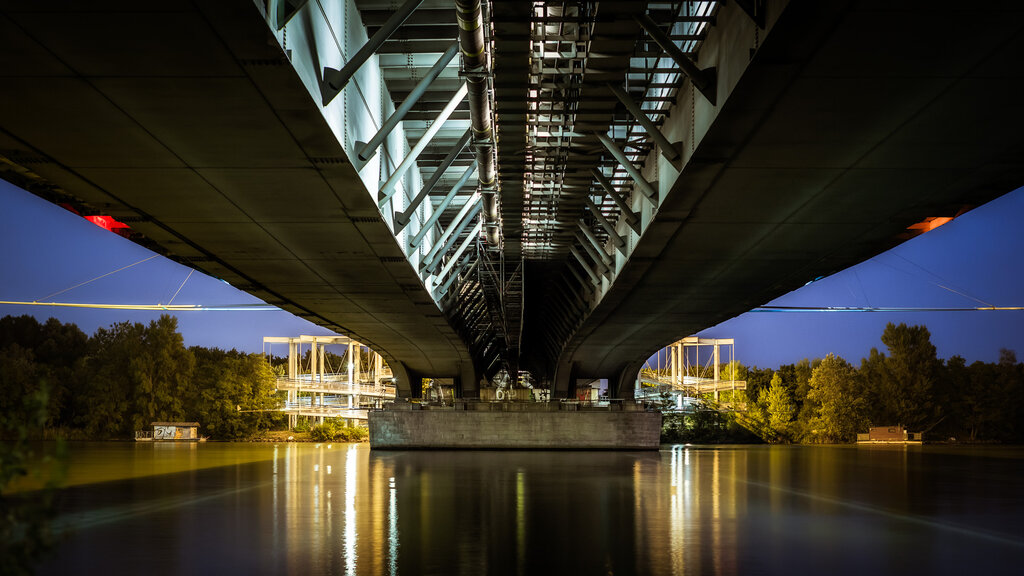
(337, 385)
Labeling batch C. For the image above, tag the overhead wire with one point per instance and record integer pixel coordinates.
(182, 286)
(987, 306)
(958, 292)
(169, 307)
(885, 309)
(98, 277)
(152, 307)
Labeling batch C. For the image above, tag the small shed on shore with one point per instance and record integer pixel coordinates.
(890, 435)
(186, 431)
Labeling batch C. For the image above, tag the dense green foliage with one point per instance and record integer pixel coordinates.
(705, 426)
(25, 529)
(128, 375)
(333, 430)
(829, 400)
(839, 407)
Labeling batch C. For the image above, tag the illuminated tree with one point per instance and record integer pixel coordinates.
(733, 371)
(779, 409)
(839, 408)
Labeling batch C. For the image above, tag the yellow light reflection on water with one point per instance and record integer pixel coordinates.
(92, 462)
(520, 520)
(350, 537)
(392, 528)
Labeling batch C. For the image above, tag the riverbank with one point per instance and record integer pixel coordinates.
(266, 436)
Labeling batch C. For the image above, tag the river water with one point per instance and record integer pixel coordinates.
(344, 509)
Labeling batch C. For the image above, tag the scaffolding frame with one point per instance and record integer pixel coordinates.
(687, 376)
(320, 390)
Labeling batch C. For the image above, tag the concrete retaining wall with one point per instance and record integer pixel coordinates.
(548, 430)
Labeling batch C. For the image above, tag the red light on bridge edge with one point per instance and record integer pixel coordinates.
(110, 223)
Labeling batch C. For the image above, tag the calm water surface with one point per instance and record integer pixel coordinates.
(343, 509)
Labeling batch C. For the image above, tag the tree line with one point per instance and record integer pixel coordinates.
(830, 400)
(123, 378)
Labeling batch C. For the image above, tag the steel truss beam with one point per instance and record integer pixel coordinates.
(619, 242)
(366, 149)
(704, 80)
(403, 217)
(595, 243)
(594, 278)
(473, 234)
(453, 231)
(649, 192)
(388, 189)
(335, 80)
(414, 242)
(631, 218)
(669, 150)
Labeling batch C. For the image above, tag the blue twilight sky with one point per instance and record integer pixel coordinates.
(974, 259)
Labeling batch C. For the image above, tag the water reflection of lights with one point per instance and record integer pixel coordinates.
(274, 493)
(349, 539)
(716, 514)
(392, 528)
(521, 520)
(679, 472)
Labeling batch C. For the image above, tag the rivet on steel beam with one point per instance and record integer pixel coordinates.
(287, 9)
(755, 9)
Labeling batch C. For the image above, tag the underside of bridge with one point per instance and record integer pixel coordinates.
(556, 186)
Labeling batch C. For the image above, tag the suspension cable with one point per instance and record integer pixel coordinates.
(101, 276)
(153, 307)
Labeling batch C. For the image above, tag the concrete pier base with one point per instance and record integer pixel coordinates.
(514, 427)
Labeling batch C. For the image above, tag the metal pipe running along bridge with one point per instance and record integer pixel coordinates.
(468, 186)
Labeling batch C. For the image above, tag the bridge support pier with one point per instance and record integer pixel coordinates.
(467, 385)
(624, 384)
(564, 382)
(408, 383)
